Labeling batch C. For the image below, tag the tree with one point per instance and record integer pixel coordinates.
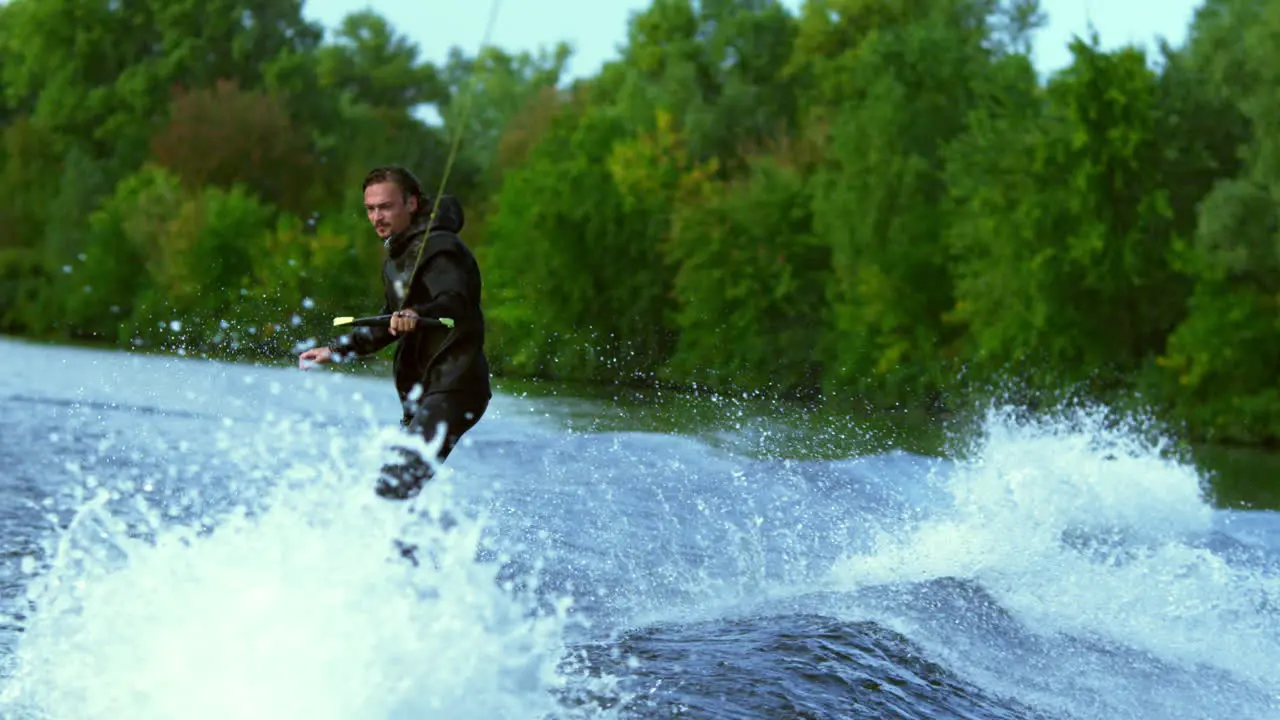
(486, 94)
(100, 71)
(1223, 354)
(717, 67)
(224, 136)
(375, 66)
(1065, 223)
(886, 101)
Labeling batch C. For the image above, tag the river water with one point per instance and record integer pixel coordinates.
(186, 539)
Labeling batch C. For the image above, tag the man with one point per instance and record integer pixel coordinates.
(441, 374)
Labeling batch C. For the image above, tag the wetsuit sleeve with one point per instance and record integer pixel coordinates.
(445, 279)
(363, 340)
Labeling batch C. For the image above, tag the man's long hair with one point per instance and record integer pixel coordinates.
(408, 184)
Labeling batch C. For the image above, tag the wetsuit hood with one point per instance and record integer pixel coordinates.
(449, 215)
(449, 218)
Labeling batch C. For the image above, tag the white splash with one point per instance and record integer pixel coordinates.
(301, 610)
(1078, 527)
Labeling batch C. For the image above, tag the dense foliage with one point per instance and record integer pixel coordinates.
(868, 200)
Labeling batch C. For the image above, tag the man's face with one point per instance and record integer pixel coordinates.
(388, 212)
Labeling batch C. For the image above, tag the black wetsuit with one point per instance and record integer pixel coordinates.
(441, 374)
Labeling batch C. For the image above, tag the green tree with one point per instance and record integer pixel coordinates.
(751, 279)
(100, 71)
(1065, 224)
(28, 187)
(485, 94)
(375, 66)
(890, 85)
(1222, 357)
(576, 281)
(717, 67)
(121, 265)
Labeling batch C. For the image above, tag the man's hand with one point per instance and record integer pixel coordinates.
(318, 356)
(403, 321)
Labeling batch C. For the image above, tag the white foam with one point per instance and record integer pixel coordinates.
(1078, 527)
(301, 611)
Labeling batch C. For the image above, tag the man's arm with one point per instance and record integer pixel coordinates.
(363, 340)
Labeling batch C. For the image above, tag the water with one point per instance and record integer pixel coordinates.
(187, 539)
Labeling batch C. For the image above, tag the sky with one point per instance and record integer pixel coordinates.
(596, 27)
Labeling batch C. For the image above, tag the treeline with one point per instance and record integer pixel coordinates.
(869, 199)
